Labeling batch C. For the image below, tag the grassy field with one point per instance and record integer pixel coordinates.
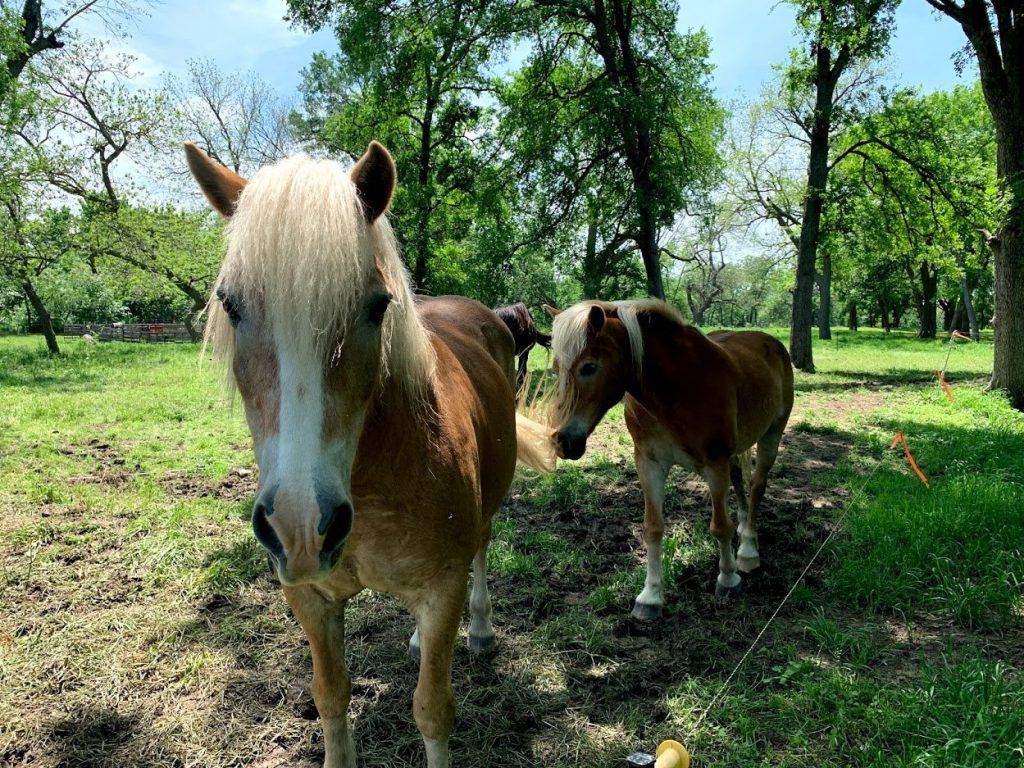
(139, 625)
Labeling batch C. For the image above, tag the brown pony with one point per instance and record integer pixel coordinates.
(384, 428)
(694, 400)
(525, 334)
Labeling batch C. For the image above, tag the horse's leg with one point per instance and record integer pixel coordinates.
(652, 473)
(717, 477)
(524, 360)
(481, 632)
(746, 556)
(324, 624)
(767, 451)
(438, 613)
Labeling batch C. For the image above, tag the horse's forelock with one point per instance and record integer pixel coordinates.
(300, 245)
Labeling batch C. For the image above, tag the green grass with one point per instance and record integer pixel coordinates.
(138, 625)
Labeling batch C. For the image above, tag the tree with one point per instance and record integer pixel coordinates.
(999, 50)
(411, 75)
(237, 119)
(645, 90)
(837, 34)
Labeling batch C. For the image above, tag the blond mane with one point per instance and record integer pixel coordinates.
(299, 248)
(569, 330)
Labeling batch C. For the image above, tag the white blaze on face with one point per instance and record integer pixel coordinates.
(300, 419)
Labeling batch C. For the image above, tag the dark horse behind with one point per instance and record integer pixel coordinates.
(524, 330)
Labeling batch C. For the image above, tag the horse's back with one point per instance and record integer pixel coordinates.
(481, 348)
(764, 367)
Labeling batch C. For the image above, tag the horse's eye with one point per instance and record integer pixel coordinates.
(378, 306)
(233, 311)
(588, 369)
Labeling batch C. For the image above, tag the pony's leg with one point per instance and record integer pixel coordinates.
(438, 613)
(767, 451)
(652, 473)
(747, 559)
(722, 528)
(524, 360)
(324, 624)
(414, 645)
(481, 632)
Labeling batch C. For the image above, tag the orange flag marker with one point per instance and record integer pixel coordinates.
(900, 438)
(945, 386)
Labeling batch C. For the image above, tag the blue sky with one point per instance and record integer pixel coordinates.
(747, 37)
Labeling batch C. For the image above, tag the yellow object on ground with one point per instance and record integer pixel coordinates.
(672, 754)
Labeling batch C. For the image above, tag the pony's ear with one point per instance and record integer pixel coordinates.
(553, 311)
(595, 320)
(221, 185)
(374, 176)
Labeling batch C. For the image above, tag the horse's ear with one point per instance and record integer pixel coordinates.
(374, 176)
(595, 320)
(221, 185)
(553, 311)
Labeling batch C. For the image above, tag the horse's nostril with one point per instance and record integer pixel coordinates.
(265, 533)
(335, 526)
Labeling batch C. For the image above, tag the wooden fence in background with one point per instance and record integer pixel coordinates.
(167, 333)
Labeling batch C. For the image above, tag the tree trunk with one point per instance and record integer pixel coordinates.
(810, 226)
(883, 309)
(421, 239)
(965, 294)
(1008, 366)
(851, 315)
(649, 242)
(44, 316)
(590, 279)
(825, 297)
(927, 308)
(697, 308)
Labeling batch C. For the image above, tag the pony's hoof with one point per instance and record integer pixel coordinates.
(724, 592)
(482, 644)
(646, 611)
(748, 564)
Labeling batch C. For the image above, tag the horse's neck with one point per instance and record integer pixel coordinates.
(393, 419)
(671, 349)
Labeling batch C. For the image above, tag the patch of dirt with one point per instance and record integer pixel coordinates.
(240, 483)
(111, 467)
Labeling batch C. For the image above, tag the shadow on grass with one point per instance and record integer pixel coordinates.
(843, 381)
(104, 738)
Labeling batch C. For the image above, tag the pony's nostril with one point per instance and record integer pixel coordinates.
(265, 533)
(335, 526)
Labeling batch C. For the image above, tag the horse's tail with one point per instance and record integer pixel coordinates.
(544, 339)
(535, 444)
(746, 464)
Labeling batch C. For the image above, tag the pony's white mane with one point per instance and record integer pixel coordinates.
(569, 329)
(299, 248)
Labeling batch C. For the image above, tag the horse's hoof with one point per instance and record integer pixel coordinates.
(646, 611)
(748, 564)
(725, 592)
(482, 644)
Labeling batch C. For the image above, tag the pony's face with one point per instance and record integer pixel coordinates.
(591, 382)
(306, 386)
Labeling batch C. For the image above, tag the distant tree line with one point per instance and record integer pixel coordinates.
(548, 150)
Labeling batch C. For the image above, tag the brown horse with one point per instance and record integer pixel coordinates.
(525, 334)
(384, 428)
(694, 400)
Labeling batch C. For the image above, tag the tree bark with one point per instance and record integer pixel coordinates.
(825, 297)
(851, 315)
(927, 309)
(826, 75)
(44, 316)
(1000, 54)
(591, 280)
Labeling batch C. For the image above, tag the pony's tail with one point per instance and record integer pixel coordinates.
(544, 339)
(535, 444)
(746, 463)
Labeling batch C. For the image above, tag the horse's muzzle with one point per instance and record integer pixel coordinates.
(571, 443)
